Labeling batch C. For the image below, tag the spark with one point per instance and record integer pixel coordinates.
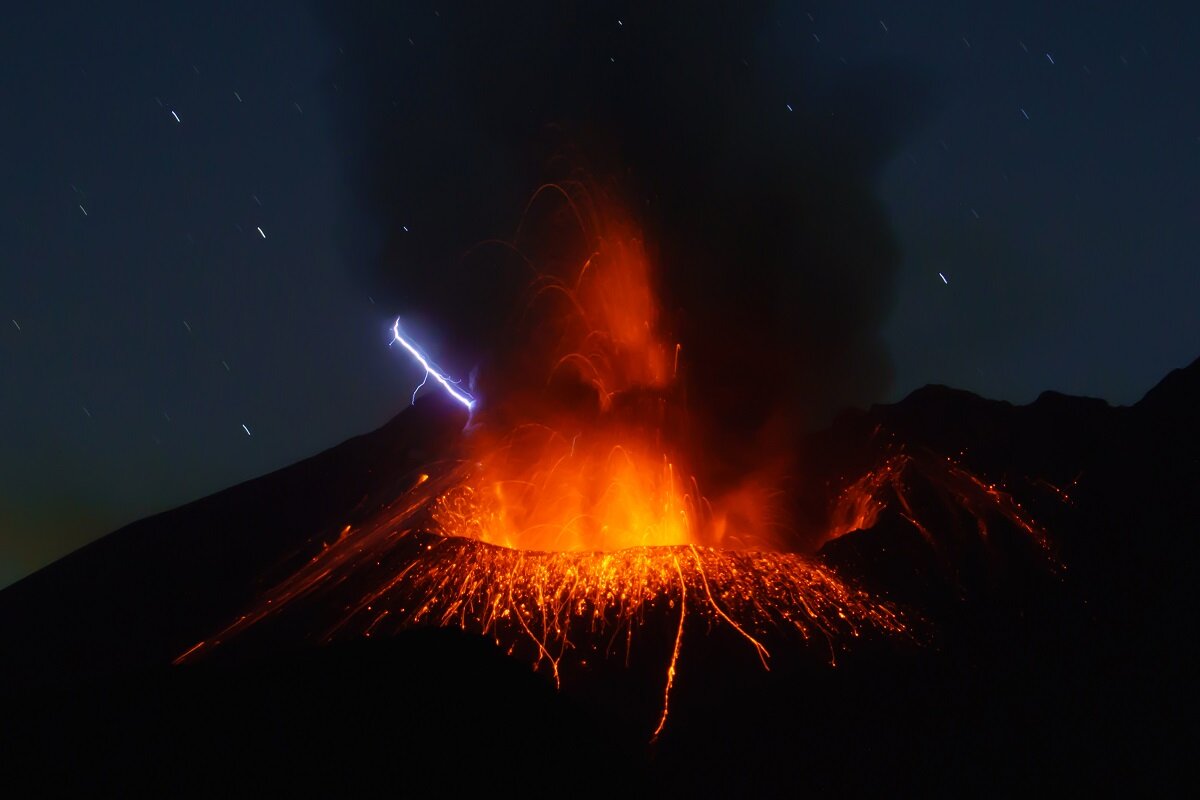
(260, 231)
(238, 96)
(430, 369)
(1024, 113)
(883, 25)
(14, 322)
(85, 410)
(945, 280)
(176, 116)
(789, 106)
(189, 327)
(1024, 46)
(247, 430)
(191, 650)
(84, 210)
(1050, 58)
(662, 721)
(225, 365)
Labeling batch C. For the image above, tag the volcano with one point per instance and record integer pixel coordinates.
(1018, 661)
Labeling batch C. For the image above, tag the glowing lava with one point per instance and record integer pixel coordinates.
(567, 519)
(548, 607)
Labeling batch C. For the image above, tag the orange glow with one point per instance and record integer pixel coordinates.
(568, 518)
(595, 491)
(859, 506)
(579, 443)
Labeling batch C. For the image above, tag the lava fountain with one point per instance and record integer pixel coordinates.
(566, 520)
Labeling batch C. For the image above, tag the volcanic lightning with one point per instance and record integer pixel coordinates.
(430, 369)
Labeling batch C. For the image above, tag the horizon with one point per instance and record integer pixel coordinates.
(394, 417)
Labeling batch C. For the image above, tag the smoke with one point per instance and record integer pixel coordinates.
(776, 258)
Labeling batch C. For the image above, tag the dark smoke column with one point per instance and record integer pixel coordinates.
(751, 172)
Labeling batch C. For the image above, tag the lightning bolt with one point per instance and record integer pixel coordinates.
(430, 369)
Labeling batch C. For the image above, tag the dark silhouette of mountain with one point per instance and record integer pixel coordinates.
(1029, 672)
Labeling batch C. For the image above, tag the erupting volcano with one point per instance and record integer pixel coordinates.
(568, 522)
(933, 588)
(598, 399)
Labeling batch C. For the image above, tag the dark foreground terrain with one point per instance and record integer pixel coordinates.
(1027, 677)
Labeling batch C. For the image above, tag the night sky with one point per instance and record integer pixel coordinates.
(211, 215)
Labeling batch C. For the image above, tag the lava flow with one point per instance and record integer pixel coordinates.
(567, 518)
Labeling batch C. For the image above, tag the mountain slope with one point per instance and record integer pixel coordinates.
(1030, 678)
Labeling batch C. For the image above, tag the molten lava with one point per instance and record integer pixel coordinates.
(568, 518)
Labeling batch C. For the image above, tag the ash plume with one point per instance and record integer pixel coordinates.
(750, 165)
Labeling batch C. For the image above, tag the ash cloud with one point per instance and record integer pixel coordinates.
(776, 257)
